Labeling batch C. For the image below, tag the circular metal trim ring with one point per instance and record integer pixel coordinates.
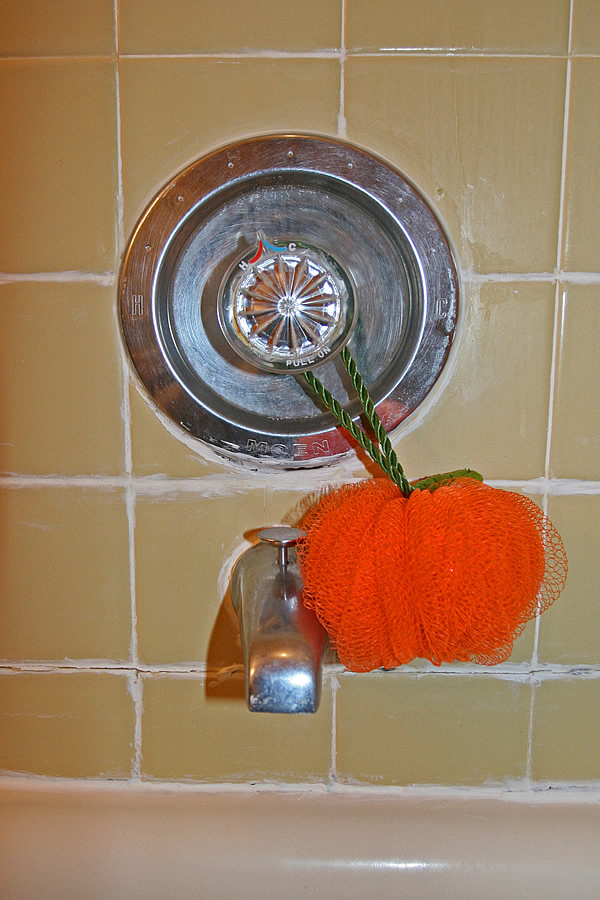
(330, 194)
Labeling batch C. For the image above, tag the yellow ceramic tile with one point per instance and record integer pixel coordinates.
(160, 447)
(570, 630)
(585, 37)
(70, 724)
(480, 137)
(184, 26)
(48, 28)
(583, 177)
(64, 574)
(189, 736)
(431, 729)
(576, 423)
(492, 414)
(183, 541)
(290, 495)
(566, 731)
(59, 204)
(60, 363)
(175, 111)
(460, 25)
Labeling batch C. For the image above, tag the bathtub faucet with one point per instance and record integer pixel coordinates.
(282, 641)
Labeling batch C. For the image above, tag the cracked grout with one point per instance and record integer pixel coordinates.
(520, 672)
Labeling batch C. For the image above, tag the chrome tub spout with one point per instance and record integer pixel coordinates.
(282, 641)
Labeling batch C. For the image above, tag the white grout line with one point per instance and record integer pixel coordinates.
(120, 217)
(453, 53)
(66, 667)
(579, 277)
(514, 672)
(325, 53)
(471, 277)
(102, 278)
(136, 689)
(547, 481)
(130, 505)
(333, 737)
(563, 172)
(126, 420)
(530, 727)
(10, 481)
(556, 345)
(238, 57)
(341, 119)
(330, 53)
(542, 792)
(536, 627)
(521, 673)
(99, 666)
(292, 482)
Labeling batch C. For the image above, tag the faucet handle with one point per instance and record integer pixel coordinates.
(282, 537)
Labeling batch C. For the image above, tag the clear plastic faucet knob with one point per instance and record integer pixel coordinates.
(289, 307)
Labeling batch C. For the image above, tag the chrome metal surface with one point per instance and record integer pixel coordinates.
(379, 239)
(283, 537)
(282, 641)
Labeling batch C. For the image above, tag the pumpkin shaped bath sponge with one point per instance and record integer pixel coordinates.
(448, 568)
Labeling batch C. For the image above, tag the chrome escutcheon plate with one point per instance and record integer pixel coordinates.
(318, 212)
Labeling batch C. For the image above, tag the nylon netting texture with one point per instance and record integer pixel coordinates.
(449, 575)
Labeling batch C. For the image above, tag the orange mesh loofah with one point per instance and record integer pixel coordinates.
(448, 574)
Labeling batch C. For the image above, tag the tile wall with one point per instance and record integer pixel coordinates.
(119, 656)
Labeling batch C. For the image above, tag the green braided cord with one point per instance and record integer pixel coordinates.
(344, 419)
(375, 422)
(385, 457)
(434, 481)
